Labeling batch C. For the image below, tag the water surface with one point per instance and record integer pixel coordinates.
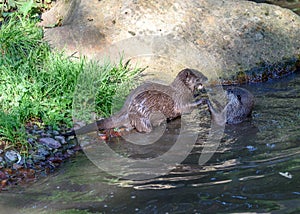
(255, 169)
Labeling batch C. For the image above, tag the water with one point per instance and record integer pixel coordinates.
(255, 169)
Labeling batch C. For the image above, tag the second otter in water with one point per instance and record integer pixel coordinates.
(238, 108)
(149, 98)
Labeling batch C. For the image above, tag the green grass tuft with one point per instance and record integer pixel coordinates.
(37, 84)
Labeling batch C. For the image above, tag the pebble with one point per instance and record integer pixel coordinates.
(50, 142)
(38, 158)
(70, 152)
(251, 148)
(35, 127)
(55, 132)
(37, 132)
(45, 135)
(12, 156)
(49, 150)
(43, 151)
(61, 139)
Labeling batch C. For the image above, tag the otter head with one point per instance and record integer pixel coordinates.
(193, 79)
(242, 96)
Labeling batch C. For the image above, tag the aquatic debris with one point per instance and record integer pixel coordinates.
(271, 146)
(286, 175)
(251, 148)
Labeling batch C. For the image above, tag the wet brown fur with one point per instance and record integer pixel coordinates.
(150, 98)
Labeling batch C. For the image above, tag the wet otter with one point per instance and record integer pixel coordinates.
(239, 107)
(141, 106)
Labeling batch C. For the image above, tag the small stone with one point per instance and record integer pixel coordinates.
(37, 132)
(69, 138)
(259, 36)
(12, 156)
(2, 162)
(50, 142)
(46, 135)
(35, 127)
(1, 151)
(38, 158)
(29, 161)
(70, 152)
(61, 139)
(251, 148)
(71, 144)
(55, 132)
(43, 151)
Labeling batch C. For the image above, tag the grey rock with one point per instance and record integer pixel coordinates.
(50, 142)
(37, 132)
(43, 151)
(70, 152)
(37, 158)
(35, 127)
(71, 144)
(61, 139)
(1, 151)
(12, 156)
(55, 132)
(228, 36)
(45, 135)
(2, 162)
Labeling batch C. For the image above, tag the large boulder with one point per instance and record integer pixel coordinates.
(227, 36)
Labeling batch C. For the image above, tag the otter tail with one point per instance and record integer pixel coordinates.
(107, 123)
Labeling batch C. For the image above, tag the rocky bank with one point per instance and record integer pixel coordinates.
(221, 38)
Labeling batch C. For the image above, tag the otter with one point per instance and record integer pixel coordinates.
(140, 108)
(238, 108)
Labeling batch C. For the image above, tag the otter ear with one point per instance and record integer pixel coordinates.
(187, 72)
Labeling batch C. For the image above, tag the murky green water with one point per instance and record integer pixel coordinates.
(246, 174)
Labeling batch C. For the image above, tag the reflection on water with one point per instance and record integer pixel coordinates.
(245, 174)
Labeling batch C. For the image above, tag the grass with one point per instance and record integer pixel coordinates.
(32, 7)
(37, 84)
